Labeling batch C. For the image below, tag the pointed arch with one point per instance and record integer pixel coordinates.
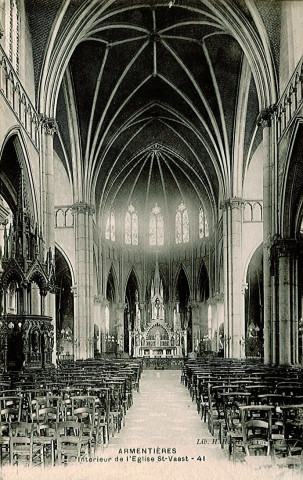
(66, 258)
(181, 268)
(112, 285)
(132, 273)
(15, 140)
(203, 283)
(292, 184)
(254, 310)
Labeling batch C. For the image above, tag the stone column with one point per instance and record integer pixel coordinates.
(266, 118)
(142, 314)
(47, 210)
(295, 314)
(195, 308)
(120, 308)
(83, 312)
(284, 309)
(104, 304)
(286, 252)
(98, 319)
(177, 317)
(217, 317)
(220, 318)
(233, 299)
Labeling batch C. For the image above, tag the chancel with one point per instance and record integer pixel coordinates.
(151, 223)
(161, 336)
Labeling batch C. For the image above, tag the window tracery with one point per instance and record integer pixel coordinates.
(110, 229)
(203, 223)
(156, 226)
(182, 224)
(131, 226)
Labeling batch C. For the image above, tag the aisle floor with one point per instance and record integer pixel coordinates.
(163, 438)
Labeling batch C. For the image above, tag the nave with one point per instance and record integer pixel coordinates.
(162, 422)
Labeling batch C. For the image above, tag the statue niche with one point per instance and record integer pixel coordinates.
(35, 345)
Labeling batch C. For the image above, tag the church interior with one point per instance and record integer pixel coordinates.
(151, 226)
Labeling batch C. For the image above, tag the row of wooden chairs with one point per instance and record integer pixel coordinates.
(254, 409)
(92, 396)
(61, 441)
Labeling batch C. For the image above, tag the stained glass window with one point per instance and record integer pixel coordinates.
(182, 224)
(110, 229)
(112, 226)
(156, 227)
(128, 228)
(203, 224)
(131, 226)
(107, 229)
(178, 228)
(135, 229)
(185, 226)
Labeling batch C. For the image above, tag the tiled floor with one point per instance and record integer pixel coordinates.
(160, 441)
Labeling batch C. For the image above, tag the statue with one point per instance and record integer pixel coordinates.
(157, 305)
(157, 338)
(35, 343)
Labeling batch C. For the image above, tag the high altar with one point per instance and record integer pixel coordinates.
(159, 337)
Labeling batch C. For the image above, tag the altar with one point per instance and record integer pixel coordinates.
(160, 336)
(158, 341)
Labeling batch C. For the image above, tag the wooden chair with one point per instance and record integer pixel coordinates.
(70, 443)
(46, 432)
(232, 433)
(256, 424)
(86, 416)
(288, 452)
(21, 443)
(293, 420)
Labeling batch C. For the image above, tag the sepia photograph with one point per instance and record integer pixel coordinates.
(151, 239)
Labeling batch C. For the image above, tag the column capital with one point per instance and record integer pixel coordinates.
(121, 306)
(216, 298)
(233, 202)
(83, 207)
(101, 300)
(49, 125)
(74, 290)
(266, 115)
(98, 299)
(194, 305)
(286, 247)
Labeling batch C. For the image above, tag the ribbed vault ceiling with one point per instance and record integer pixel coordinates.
(158, 98)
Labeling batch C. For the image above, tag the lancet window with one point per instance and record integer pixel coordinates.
(156, 227)
(110, 230)
(203, 223)
(131, 226)
(182, 224)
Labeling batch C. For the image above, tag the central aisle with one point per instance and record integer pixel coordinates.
(163, 423)
(164, 419)
(163, 414)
